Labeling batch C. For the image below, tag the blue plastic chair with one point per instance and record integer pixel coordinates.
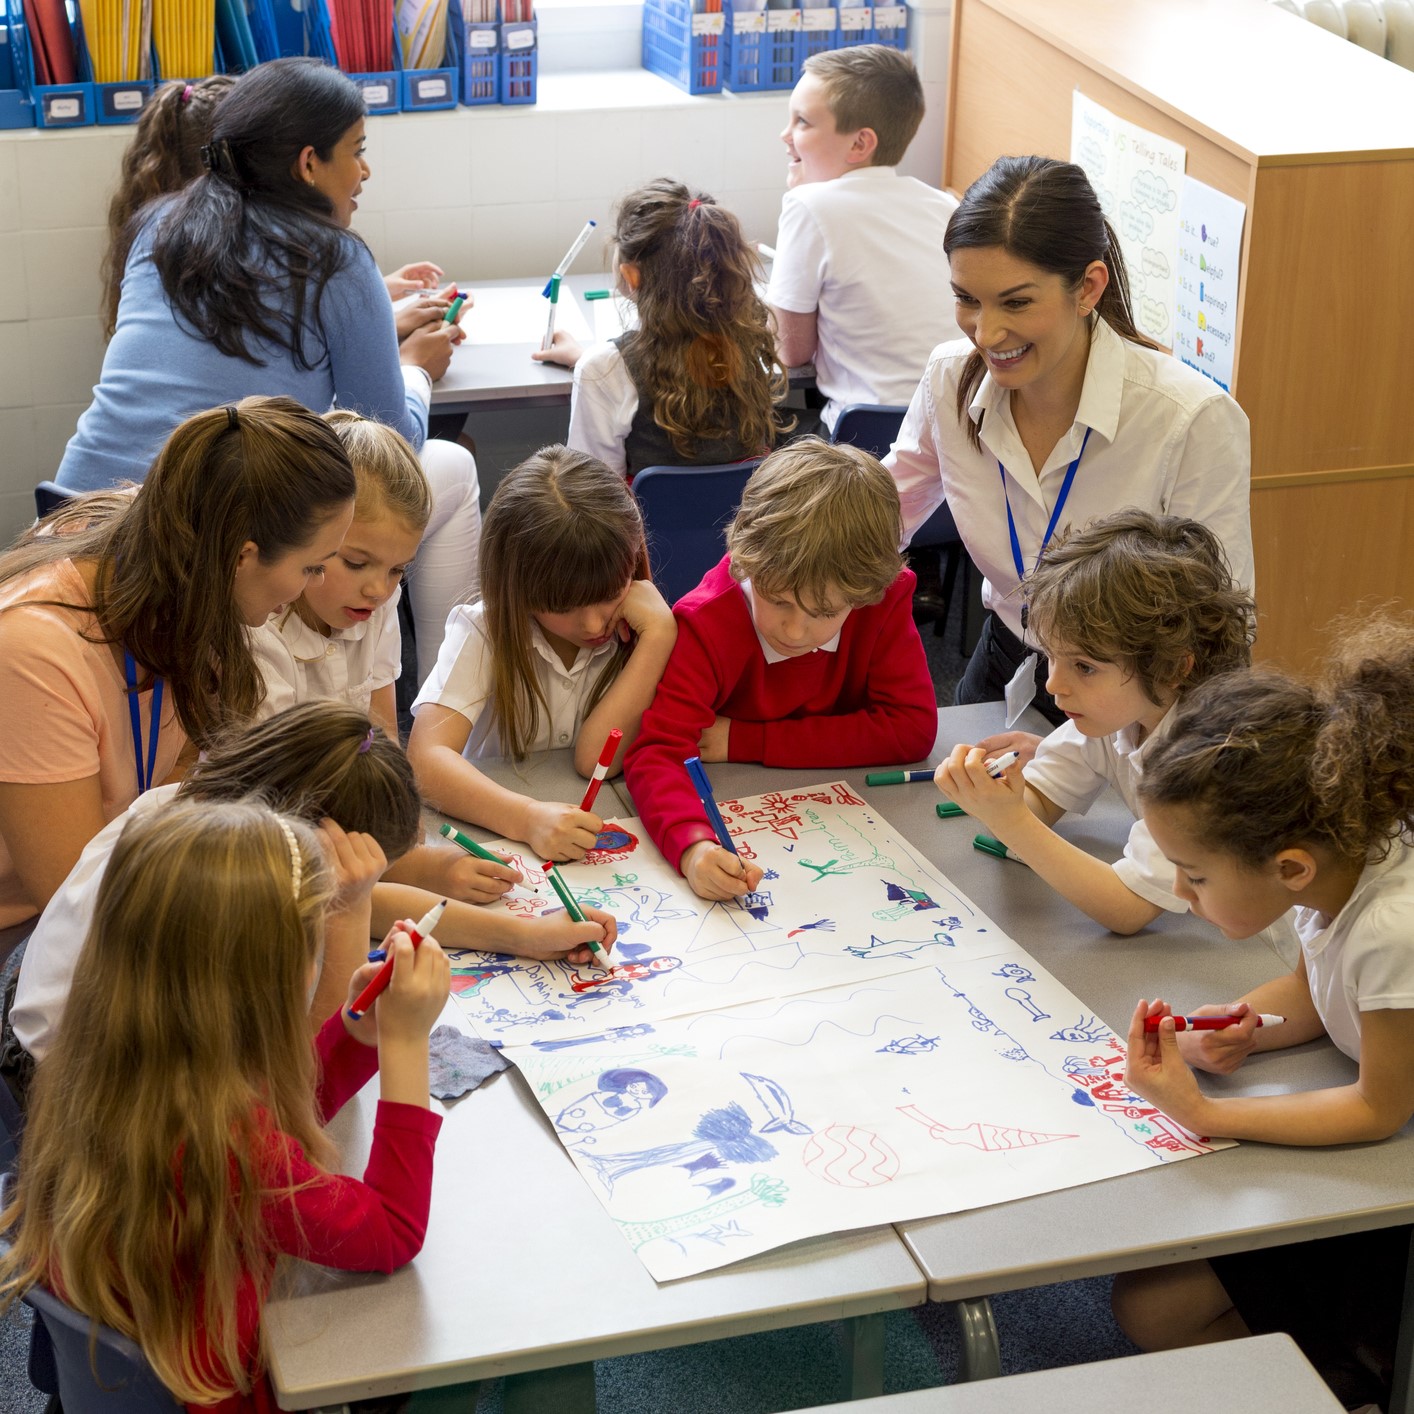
(49, 496)
(686, 510)
(874, 428)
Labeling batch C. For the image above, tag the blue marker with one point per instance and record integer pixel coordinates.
(698, 775)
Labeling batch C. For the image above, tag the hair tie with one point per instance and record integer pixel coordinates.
(233, 422)
(296, 861)
(186, 96)
(367, 742)
(218, 159)
(694, 203)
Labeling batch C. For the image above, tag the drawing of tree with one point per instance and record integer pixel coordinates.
(724, 1133)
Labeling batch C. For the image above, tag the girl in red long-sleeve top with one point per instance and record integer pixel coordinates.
(174, 1147)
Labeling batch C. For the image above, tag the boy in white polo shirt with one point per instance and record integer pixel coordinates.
(860, 283)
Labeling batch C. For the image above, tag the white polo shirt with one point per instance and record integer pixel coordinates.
(1363, 958)
(53, 949)
(602, 404)
(1163, 438)
(462, 681)
(299, 664)
(865, 251)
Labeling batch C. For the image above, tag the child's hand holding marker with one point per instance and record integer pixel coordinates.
(1222, 1049)
(428, 309)
(989, 789)
(1157, 1070)
(556, 937)
(565, 351)
(472, 878)
(716, 873)
(1023, 743)
(560, 832)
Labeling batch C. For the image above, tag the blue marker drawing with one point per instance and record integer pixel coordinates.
(915, 1045)
(1092, 1030)
(778, 1106)
(725, 1133)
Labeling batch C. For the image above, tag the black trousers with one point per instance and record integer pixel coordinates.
(999, 653)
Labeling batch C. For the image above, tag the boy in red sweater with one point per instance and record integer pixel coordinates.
(797, 650)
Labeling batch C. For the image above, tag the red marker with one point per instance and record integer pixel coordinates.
(384, 975)
(1209, 1023)
(606, 759)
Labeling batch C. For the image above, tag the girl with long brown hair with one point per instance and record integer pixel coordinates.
(1055, 410)
(175, 1150)
(1271, 794)
(698, 380)
(127, 635)
(567, 643)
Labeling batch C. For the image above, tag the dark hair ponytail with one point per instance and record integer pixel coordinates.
(1046, 213)
(237, 249)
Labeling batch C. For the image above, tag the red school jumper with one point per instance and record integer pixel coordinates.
(371, 1225)
(870, 702)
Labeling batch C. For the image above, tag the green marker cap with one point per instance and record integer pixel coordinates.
(989, 846)
(949, 810)
(597, 294)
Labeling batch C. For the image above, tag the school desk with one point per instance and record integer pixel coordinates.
(1269, 1370)
(1236, 1200)
(523, 1274)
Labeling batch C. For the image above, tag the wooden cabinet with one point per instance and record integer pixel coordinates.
(1317, 138)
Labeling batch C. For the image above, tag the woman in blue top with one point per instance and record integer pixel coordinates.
(249, 281)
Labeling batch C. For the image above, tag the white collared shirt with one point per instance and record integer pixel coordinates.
(299, 664)
(1071, 769)
(462, 681)
(865, 253)
(1163, 438)
(602, 404)
(1363, 958)
(771, 655)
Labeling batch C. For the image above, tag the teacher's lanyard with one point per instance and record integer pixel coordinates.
(154, 724)
(1055, 514)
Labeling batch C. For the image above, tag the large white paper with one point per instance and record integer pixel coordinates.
(1137, 175)
(1209, 262)
(843, 897)
(517, 314)
(713, 1137)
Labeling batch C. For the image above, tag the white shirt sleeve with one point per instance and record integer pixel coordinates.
(1379, 963)
(284, 680)
(913, 459)
(1145, 871)
(602, 404)
(1067, 769)
(462, 678)
(1213, 484)
(798, 271)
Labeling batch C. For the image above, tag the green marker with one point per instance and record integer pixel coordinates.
(949, 810)
(454, 309)
(573, 909)
(896, 778)
(470, 845)
(597, 294)
(990, 846)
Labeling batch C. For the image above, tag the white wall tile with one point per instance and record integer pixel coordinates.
(686, 144)
(15, 382)
(67, 180)
(17, 438)
(443, 237)
(16, 512)
(758, 211)
(9, 187)
(370, 225)
(66, 357)
(513, 157)
(14, 297)
(511, 240)
(598, 154)
(754, 153)
(54, 424)
(425, 164)
(924, 158)
(62, 268)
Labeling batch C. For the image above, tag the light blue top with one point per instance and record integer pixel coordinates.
(158, 371)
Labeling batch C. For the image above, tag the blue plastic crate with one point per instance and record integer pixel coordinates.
(426, 90)
(761, 49)
(16, 109)
(69, 105)
(819, 33)
(891, 25)
(519, 62)
(122, 102)
(856, 26)
(685, 48)
(382, 92)
(480, 63)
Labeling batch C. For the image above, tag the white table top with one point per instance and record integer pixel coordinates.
(522, 1270)
(1269, 1370)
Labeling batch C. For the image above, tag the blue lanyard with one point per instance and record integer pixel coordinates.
(1055, 514)
(154, 724)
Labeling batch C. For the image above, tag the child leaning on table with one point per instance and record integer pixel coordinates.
(567, 644)
(1268, 793)
(797, 650)
(1133, 612)
(175, 1147)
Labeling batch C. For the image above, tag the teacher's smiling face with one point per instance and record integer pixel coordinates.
(341, 178)
(1030, 325)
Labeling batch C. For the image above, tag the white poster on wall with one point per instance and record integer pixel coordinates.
(1209, 258)
(1138, 176)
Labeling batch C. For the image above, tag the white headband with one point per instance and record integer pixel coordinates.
(296, 862)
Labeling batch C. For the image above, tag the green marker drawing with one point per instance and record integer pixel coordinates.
(764, 1189)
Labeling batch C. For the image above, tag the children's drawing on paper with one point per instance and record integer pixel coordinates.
(1086, 1029)
(1025, 1000)
(817, 925)
(872, 1102)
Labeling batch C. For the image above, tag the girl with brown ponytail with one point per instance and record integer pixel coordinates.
(697, 381)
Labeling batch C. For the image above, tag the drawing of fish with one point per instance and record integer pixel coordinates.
(778, 1105)
(914, 1045)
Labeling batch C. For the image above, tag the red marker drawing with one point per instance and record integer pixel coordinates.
(384, 975)
(606, 759)
(1209, 1023)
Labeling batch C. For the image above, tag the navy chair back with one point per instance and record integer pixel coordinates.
(686, 510)
(871, 426)
(49, 496)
